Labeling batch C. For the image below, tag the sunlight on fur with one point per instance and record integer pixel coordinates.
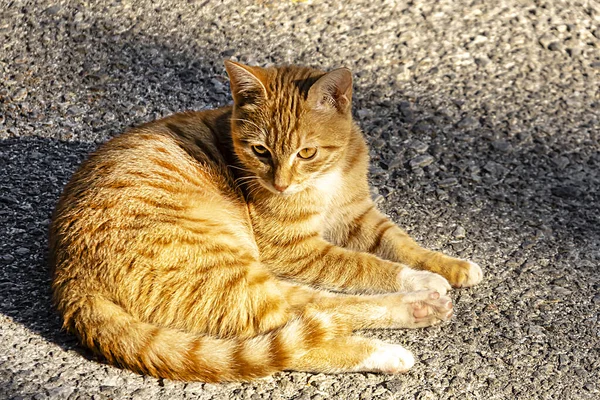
(230, 244)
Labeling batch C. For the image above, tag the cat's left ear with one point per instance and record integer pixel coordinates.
(332, 91)
(247, 83)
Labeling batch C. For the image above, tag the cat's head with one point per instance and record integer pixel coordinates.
(290, 125)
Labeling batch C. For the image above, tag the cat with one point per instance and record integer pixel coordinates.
(229, 244)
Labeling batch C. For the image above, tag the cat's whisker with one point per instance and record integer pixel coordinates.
(247, 179)
(253, 183)
(246, 176)
(253, 187)
(240, 168)
(244, 179)
(250, 184)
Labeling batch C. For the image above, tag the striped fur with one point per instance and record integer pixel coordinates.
(180, 252)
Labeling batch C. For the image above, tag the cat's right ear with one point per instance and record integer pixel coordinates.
(247, 83)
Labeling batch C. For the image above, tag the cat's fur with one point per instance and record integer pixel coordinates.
(175, 252)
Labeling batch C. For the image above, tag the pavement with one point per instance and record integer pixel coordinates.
(483, 119)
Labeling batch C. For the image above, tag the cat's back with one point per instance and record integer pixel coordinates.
(185, 151)
(162, 183)
(172, 147)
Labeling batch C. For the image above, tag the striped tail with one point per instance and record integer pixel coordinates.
(123, 340)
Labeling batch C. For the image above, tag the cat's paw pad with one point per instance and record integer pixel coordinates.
(412, 280)
(389, 359)
(429, 308)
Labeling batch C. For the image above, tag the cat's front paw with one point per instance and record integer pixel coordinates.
(472, 274)
(411, 280)
(460, 273)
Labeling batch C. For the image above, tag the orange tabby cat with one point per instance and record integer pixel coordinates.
(217, 245)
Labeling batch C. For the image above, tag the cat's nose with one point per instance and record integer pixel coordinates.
(280, 188)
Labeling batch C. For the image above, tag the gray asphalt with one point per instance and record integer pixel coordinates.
(484, 123)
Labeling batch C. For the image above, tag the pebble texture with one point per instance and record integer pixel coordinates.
(483, 119)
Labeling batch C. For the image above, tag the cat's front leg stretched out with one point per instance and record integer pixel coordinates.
(301, 253)
(367, 229)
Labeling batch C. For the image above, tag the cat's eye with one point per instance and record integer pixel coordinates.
(260, 151)
(307, 153)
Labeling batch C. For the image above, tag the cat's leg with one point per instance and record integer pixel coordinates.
(321, 341)
(355, 354)
(344, 352)
(396, 310)
(255, 302)
(312, 260)
(268, 334)
(304, 253)
(303, 329)
(366, 229)
(309, 259)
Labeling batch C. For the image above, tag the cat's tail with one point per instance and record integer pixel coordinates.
(123, 340)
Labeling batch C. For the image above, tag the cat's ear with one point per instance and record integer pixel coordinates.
(333, 91)
(247, 83)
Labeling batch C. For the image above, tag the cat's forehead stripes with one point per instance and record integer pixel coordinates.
(288, 90)
(279, 119)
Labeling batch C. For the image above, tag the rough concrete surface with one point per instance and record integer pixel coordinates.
(484, 124)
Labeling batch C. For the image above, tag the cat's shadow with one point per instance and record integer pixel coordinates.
(34, 172)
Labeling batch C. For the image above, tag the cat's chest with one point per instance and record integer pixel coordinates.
(314, 210)
(329, 191)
